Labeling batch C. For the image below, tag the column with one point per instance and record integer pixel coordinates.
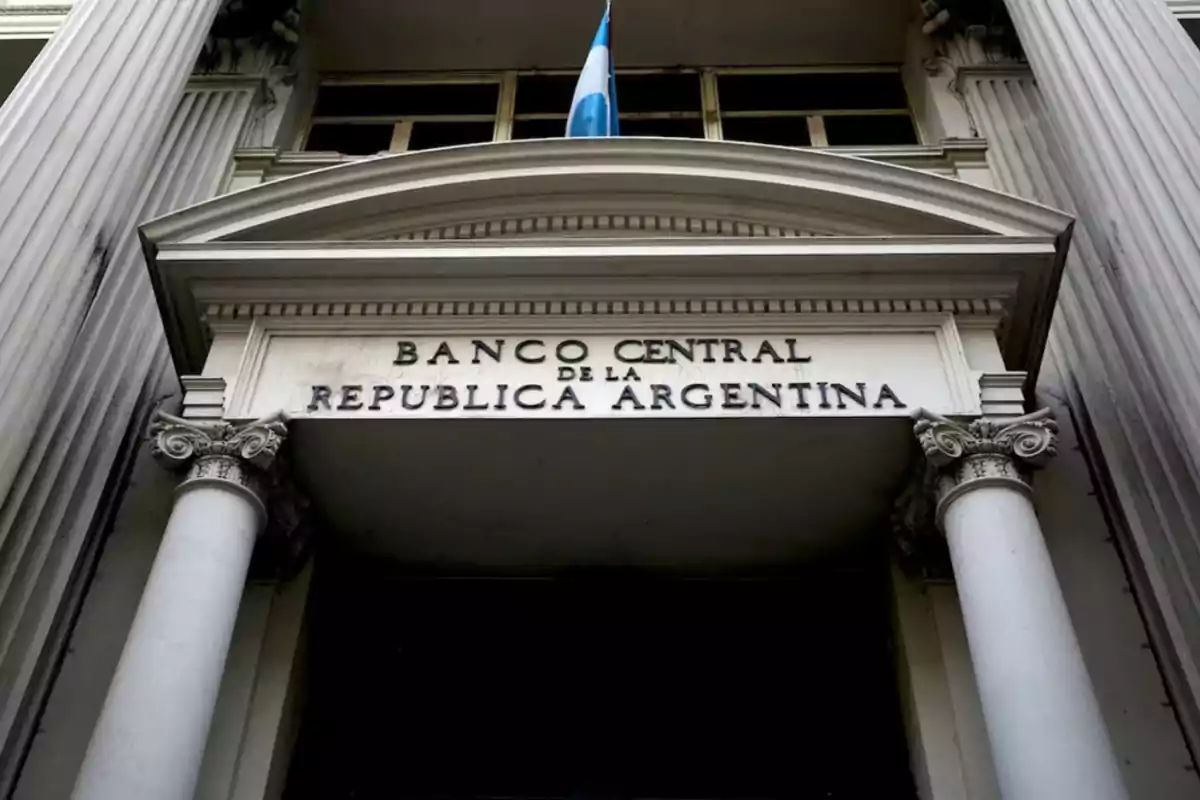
(1048, 738)
(152, 731)
(77, 137)
(1121, 82)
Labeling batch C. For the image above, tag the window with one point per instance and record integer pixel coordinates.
(815, 108)
(365, 118)
(651, 103)
(800, 107)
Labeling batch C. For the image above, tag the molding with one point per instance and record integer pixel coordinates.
(988, 276)
(203, 398)
(32, 22)
(322, 202)
(595, 225)
(1184, 9)
(1002, 394)
(982, 72)
(458, 309)
(253, 166)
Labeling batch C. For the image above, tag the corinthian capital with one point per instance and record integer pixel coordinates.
(176, 442)
(236, 456)
(984, 451)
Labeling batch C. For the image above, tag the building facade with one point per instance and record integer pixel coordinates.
(830, 433)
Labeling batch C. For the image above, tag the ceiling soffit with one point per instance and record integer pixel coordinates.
(373, 36)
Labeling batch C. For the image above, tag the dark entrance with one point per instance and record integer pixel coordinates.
(607, 686)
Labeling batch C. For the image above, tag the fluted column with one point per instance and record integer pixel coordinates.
(1122, 87)
(150, 739)
(1048, 738)
(77, 135)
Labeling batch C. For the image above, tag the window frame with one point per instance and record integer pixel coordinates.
(505, 117)
(402, 124)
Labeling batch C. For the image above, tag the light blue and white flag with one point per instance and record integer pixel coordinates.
(594, 107)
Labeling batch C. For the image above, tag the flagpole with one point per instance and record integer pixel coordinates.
(614, 122)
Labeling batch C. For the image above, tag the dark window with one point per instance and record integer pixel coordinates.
(847, 131)
(772, 108)
(672, 128)
(364, 119)
(789, 131)
(428, 135)
(353, 140)
(539, 128)
(658, 92)
(407, 100)
(651, 104)
(811, 92)
(545, 94)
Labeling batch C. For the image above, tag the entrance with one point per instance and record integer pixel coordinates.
(603, 684)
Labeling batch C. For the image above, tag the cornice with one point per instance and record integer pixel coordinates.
(1185, 9)
(31, 22)
(991, 275)
(34, 11)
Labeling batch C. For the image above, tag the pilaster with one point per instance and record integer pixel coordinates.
(1123, 77)
(77, 136)
(1107, 126)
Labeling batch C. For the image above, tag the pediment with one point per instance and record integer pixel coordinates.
(631, 188)
(609, 223)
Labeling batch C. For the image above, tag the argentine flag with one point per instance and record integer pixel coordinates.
(594, 107)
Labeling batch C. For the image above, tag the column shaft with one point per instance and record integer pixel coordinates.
(152, 731)
(77, 135)
(1048, 737)
(1047, 734)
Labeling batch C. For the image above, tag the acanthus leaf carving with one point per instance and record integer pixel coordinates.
(1031, 440)
(176, 442)
(984, 451)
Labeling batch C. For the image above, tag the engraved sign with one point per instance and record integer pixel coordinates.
(693, 375)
